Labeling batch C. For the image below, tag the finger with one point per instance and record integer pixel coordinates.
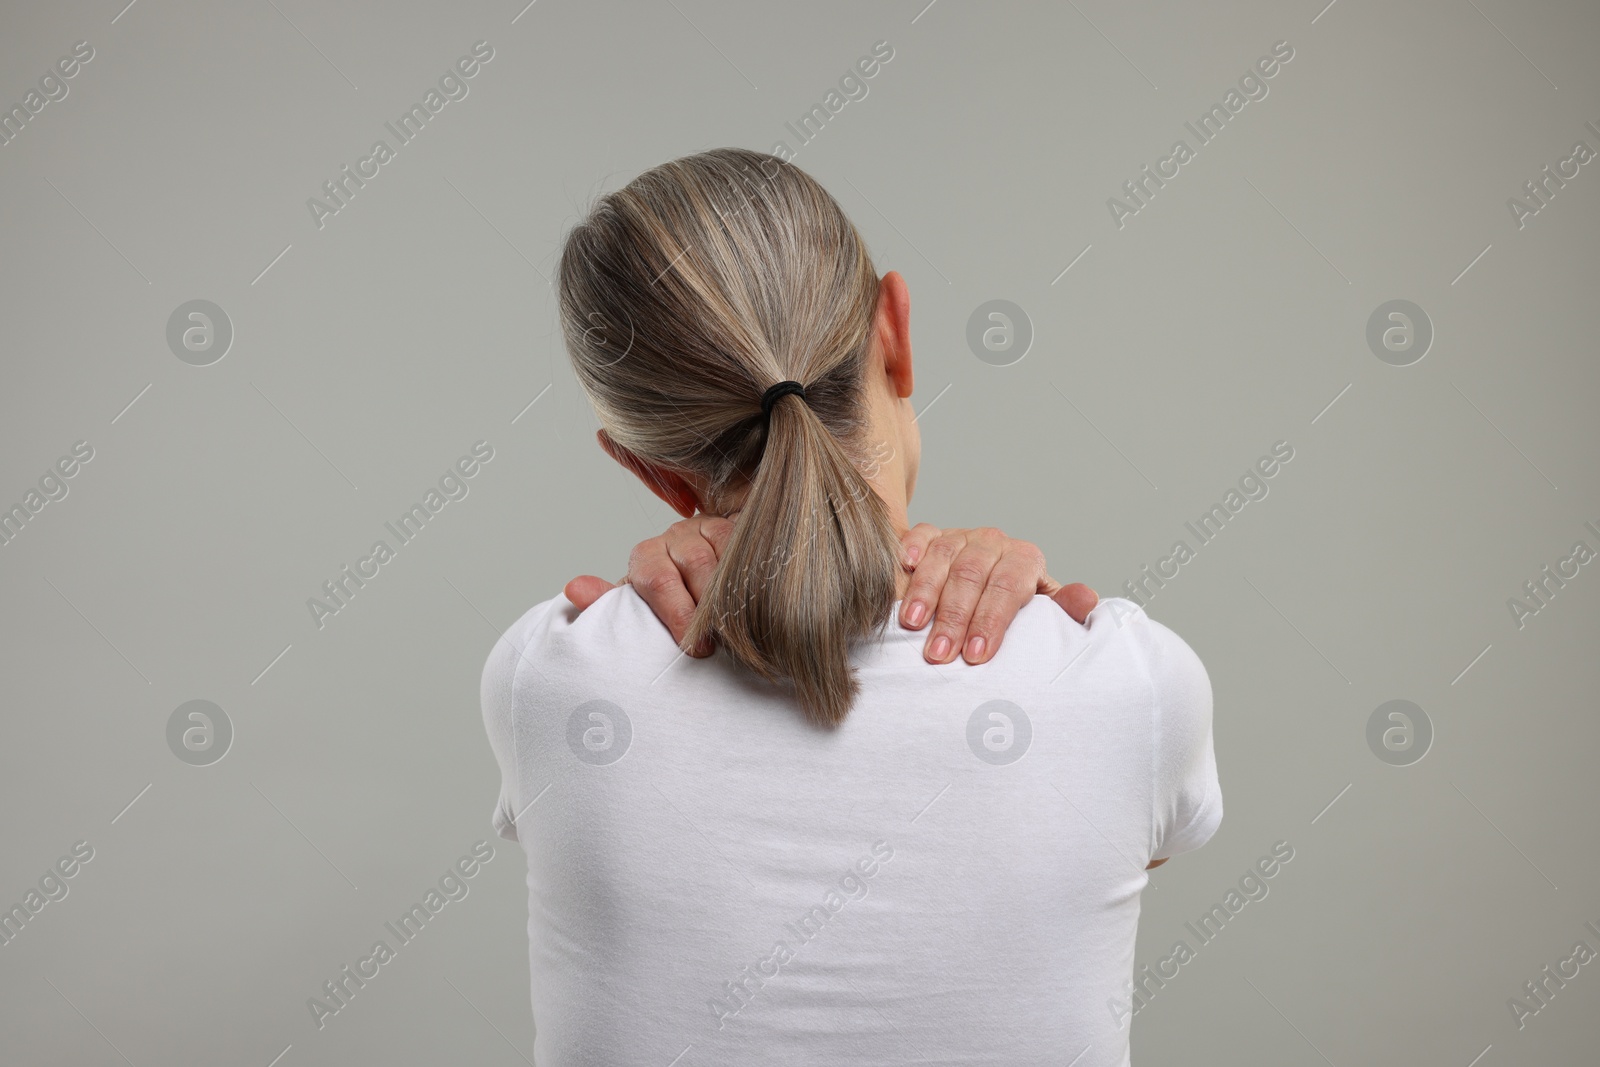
(933, 566)
(717, 530)
(963, 587)
(914, 543)
(1011, 585)
(585, 589)
(693, 554)
(1077, 600)
(653, 573)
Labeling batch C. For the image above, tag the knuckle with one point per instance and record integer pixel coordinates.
(660, 582)
(987, 623)
(1031, 553)
(1008, 583)
(647, 550)
(699, 558)
(969, 572)
(952, 620)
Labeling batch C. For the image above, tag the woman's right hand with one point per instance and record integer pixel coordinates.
(969, 583)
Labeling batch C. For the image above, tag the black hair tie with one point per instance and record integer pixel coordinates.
(782, 389)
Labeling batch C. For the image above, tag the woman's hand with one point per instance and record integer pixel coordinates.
(670, 571)
(970, 583)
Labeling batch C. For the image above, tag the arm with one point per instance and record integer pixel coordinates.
(969, 583)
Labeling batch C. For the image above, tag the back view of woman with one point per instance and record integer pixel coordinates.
(814, 847)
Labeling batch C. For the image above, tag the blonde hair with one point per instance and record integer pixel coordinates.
(686, 295)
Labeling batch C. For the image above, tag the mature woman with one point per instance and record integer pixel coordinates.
(814, 846)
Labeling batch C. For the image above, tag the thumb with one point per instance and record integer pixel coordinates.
(585, 589)
(1077, 600)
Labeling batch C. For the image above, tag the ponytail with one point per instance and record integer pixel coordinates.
(808, 570)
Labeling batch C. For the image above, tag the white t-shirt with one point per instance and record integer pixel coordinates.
(951, 876)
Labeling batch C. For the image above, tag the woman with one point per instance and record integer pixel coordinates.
(814, 847)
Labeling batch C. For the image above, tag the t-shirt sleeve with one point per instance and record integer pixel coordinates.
(508, 661)
(1187, 794)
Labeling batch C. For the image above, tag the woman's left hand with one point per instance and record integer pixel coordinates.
(972, 583)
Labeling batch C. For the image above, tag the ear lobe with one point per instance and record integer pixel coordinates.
(668, 485)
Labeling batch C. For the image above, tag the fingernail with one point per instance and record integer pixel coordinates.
(916, 613)
(940, 649)
(975, 649)
(912, 554)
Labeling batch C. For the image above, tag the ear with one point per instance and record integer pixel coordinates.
(893, 325)
(669, 486)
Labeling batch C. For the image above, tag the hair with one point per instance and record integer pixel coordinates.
(686, 295)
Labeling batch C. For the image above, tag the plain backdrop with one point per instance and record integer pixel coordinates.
(1170, 350)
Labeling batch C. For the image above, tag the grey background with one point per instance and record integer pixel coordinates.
(373, 352)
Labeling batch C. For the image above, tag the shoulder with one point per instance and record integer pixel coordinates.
(1177, 677)
(1118, 652)
(554, 636)
(511, 647)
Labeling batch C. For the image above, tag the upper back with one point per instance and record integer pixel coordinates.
(954, 869)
